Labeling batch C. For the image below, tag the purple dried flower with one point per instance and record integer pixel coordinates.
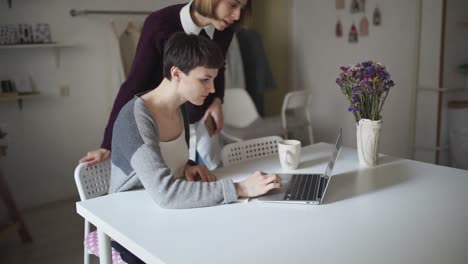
(356, 99)
(366, 86)
(357, 89)
(366, 64)
(383, 74)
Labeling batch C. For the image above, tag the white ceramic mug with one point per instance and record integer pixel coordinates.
(289, 153)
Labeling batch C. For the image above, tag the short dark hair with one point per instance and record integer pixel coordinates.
(187, 52)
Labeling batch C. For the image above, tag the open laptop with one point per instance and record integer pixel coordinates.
(304, 188)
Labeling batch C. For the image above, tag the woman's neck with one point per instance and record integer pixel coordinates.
(198, 19)
(164, 97)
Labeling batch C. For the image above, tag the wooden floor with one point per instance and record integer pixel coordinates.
(57, 232)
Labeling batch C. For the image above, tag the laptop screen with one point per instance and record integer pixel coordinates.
(332, 161)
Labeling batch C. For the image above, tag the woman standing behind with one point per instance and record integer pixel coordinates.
(215, 18)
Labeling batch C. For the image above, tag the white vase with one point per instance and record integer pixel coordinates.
(368, 136)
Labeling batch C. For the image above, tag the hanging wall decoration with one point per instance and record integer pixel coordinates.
(364, 26)
(362, 5)
(339, 4)
(377, 17)
(338, 29)
(354, 6)
(358, 6)
(353, 34)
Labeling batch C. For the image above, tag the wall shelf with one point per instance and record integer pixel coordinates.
(19, 97)
(55, 45)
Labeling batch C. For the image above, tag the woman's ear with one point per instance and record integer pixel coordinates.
(175, 73)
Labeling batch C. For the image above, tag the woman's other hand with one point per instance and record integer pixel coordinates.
(199, 172)
(216, 111)
(95, 156)
(257, 184)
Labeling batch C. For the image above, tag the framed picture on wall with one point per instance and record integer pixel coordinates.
(358, 6)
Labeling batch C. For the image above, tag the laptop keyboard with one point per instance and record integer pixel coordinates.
(303, 187)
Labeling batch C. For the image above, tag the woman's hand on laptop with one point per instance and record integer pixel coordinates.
(199, 173)
(257, 184)
(95, 156)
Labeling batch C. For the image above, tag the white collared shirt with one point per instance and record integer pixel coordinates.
(200, 140)
(189, 26)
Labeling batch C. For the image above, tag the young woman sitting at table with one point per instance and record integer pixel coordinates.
(150, 134)
(149, 146)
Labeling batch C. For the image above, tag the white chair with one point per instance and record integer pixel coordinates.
(295, 113)
(92, 182)
(242, 121)
(250, 149)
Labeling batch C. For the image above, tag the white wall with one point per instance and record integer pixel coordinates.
(52, 132)
(317, 55)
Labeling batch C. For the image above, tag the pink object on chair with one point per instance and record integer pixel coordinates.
(92, 245)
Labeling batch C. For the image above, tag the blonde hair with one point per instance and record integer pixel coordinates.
(206, 8)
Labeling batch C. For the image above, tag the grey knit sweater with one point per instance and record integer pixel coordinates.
(137, 162)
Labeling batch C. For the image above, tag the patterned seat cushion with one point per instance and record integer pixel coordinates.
(92, 245)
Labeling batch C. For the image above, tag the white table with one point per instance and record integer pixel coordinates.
(401, 211)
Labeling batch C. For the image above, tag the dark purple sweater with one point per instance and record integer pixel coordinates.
(147, 69)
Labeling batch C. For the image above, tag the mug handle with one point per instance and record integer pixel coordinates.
(290, 156)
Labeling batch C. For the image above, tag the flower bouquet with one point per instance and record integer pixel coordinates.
(366, 86)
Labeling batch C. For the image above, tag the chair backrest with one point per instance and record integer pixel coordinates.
(238, 108)
(250, 149)
(93, 181)
(295, 100)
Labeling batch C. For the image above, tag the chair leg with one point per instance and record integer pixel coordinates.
(86, 256)
(13, 210)
(105, 252)
(85, 250)
(311, 135)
